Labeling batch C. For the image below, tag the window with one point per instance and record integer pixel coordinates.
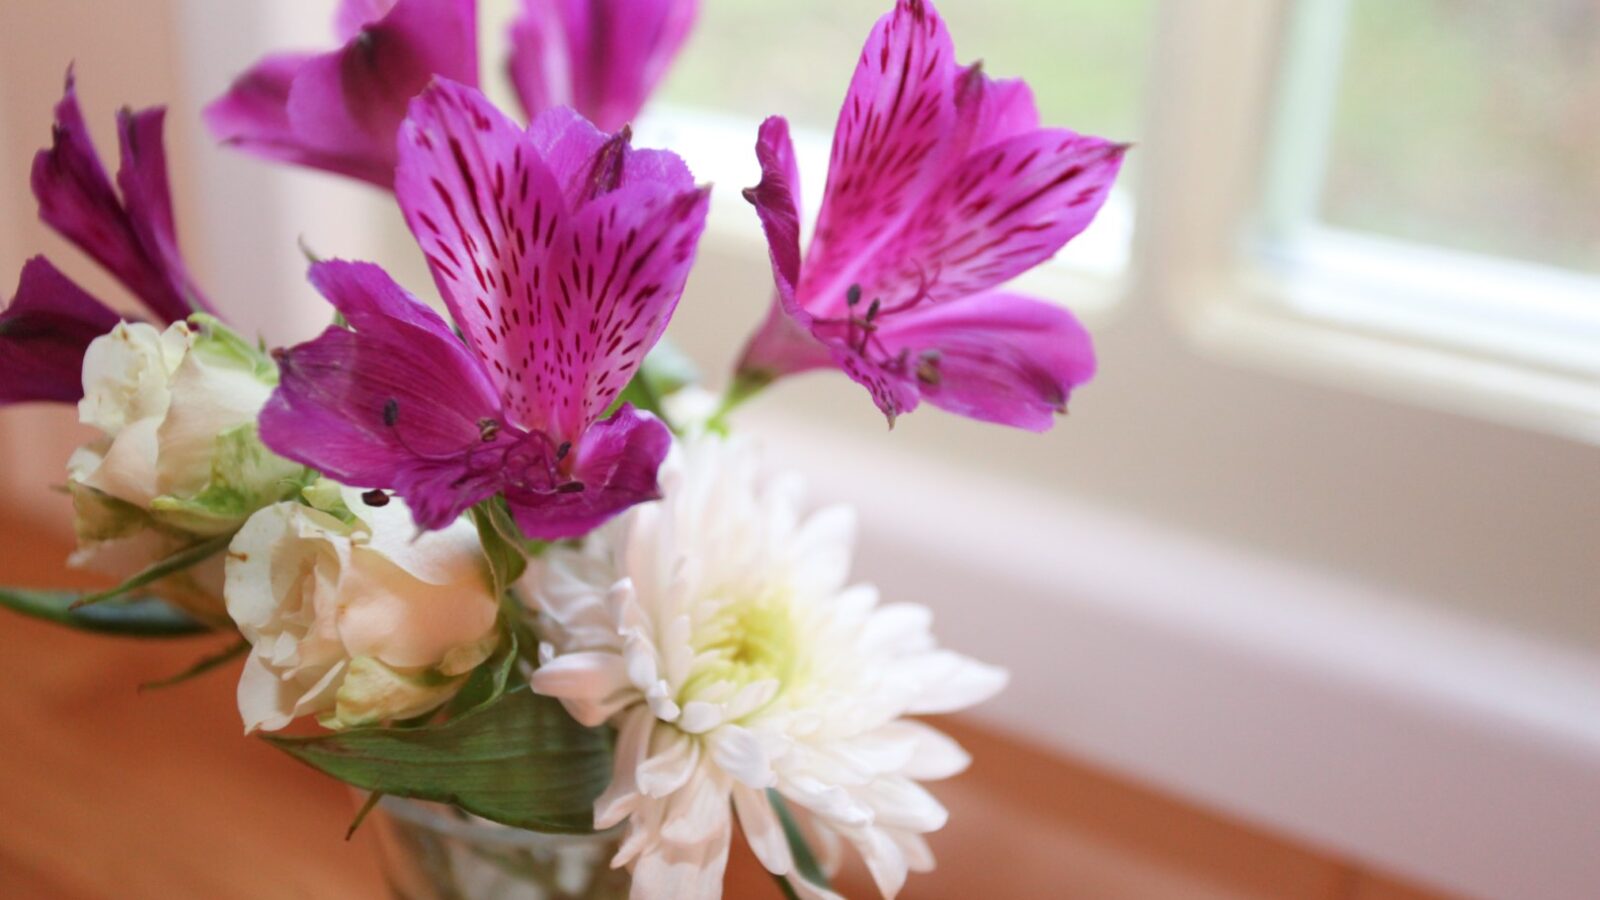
(1471, 124)
(1426, 215)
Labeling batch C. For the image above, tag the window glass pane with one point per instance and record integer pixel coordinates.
(1084, 58)
(1473, 124)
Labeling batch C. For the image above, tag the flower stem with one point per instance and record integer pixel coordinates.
(744, 386)
(805, 862)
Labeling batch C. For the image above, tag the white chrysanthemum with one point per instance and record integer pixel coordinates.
(716, 631)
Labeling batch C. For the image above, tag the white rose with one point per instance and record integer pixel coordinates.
(355, 622)
(178, 459)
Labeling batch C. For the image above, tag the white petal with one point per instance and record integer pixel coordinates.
(700, 717)
(742, 754)
(699, 810)
(898, 628)
(633, 742)
(951, 682)
(902, 803)
(919, 857)
(693, 871)
(592, 685)
(936, 754)
(265, 701)
(884, 860)
(762, 829)
(672, 760)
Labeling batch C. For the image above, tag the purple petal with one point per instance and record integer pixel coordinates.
(890, 144)
(998, 214)
(783, 345)
(44, 333)
(399, 403)
(339, 111)
(570, 146)
(561, 270)
(602, 58)
(254, 116)
(142, 178)
(616, 464)
(354, 15)
(995, 357)
(135, 243)
(989, 111)
(486, 212)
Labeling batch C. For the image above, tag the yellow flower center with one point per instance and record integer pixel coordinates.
(744, 642)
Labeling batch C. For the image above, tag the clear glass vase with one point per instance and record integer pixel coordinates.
(435, 852)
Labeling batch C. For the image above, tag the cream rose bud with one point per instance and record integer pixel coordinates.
(352, 617)
(178, 459)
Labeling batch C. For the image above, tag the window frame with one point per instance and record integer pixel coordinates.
(1239, 116)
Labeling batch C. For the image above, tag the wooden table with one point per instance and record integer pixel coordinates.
(106, 792)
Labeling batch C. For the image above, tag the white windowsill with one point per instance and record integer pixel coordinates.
(1421, 743)
(1511, 342)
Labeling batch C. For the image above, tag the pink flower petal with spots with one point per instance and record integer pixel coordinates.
(942, 186)
(397, 403)
(561, 252)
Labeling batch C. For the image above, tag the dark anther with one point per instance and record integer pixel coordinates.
(278, 353)
(928, 368)
(391, 412)
(571, 487)
(375, 498)
(872, 310)
(563, 450)
(487, 429)
(853, 295)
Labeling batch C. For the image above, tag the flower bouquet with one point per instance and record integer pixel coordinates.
(510, 567)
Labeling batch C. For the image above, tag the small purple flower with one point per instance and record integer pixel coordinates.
(339, 110)
(601, 57)
(561, 253)
(48, 325)
(942, 186)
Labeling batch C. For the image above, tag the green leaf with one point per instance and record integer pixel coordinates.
(805, 862)
(177, 562)
(502, 541)
(140, 617)
(520, 761)
(206, 664)
(488, 681)
(361, 814)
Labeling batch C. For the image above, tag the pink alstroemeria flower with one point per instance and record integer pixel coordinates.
(942, 186)
(339, 111)
(561, 253)
(50, 321)
(600, 57)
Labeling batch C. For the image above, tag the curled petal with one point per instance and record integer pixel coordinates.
(339, 111)
(616, 463)
(783, 345)
(131, 237)
(254, 116)
(603, 59)
(44, 333)
(397, 404)
(997, 357)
